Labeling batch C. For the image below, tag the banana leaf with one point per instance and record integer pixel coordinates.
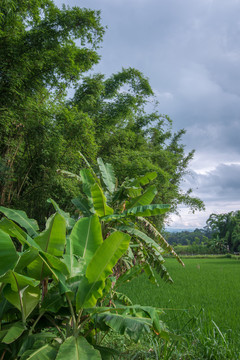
(145, 199)
(82, 204)
(52, 239)
(21, 218)
(108, 175)
(104, 259)
(12, 229)
(69, 220)
(13, 333)
(145, 179)
(8, 253)
(85, 238)
(99, 201)
(45, 352)
(77, 349)
(146, 210)
(24, 300)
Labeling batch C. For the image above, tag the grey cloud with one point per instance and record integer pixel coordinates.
(219, 185)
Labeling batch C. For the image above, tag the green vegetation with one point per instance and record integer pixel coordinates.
(41, 130)
(221, 235)
(60, 278)
(56, 294)
(205, 293)
(225, 230)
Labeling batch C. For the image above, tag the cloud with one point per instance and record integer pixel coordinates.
(219, 188)
(221, 184)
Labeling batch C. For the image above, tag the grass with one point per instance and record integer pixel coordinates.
(202, 305)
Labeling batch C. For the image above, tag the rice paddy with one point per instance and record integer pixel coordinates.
(208, 285)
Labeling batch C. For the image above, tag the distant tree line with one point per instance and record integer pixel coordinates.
(220, 235)
(225, 229)
(198, 236)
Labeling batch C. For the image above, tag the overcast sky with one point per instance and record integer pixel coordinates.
(190, 51)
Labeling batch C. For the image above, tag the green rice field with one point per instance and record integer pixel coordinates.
(207, 286)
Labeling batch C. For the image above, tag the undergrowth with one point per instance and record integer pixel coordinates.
(199, 338)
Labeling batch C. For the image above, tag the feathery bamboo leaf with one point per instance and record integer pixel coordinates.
(69, 174)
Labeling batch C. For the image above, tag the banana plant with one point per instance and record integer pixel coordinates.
(127, 208)
(53, 284)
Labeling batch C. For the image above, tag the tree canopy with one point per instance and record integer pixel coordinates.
(45, 50)
(225, 231)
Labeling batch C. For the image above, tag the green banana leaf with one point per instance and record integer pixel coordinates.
(85, 238)
(12, 229)
(14, 333)
(147, 240)
(75, 265)
(45, 265)
(150, 274)
(104, 259)
(17, 281)
(88, 181)
(108, 175)
(20, 217)
(82, 204)
(89, 166)
(8, 253)
(99, 201)
(77, 349)
(145, 199)
(130, 319)
(46, 352)
(69, 221)
(160, 239)
(134, 327)
(146, 210)
(121, 299)
(53, 300)
(145, 179)
(8, 226)
(55, 263)
(130, 274)
(52, 240)
(25, 300)
(26, 258)
(5, 307)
